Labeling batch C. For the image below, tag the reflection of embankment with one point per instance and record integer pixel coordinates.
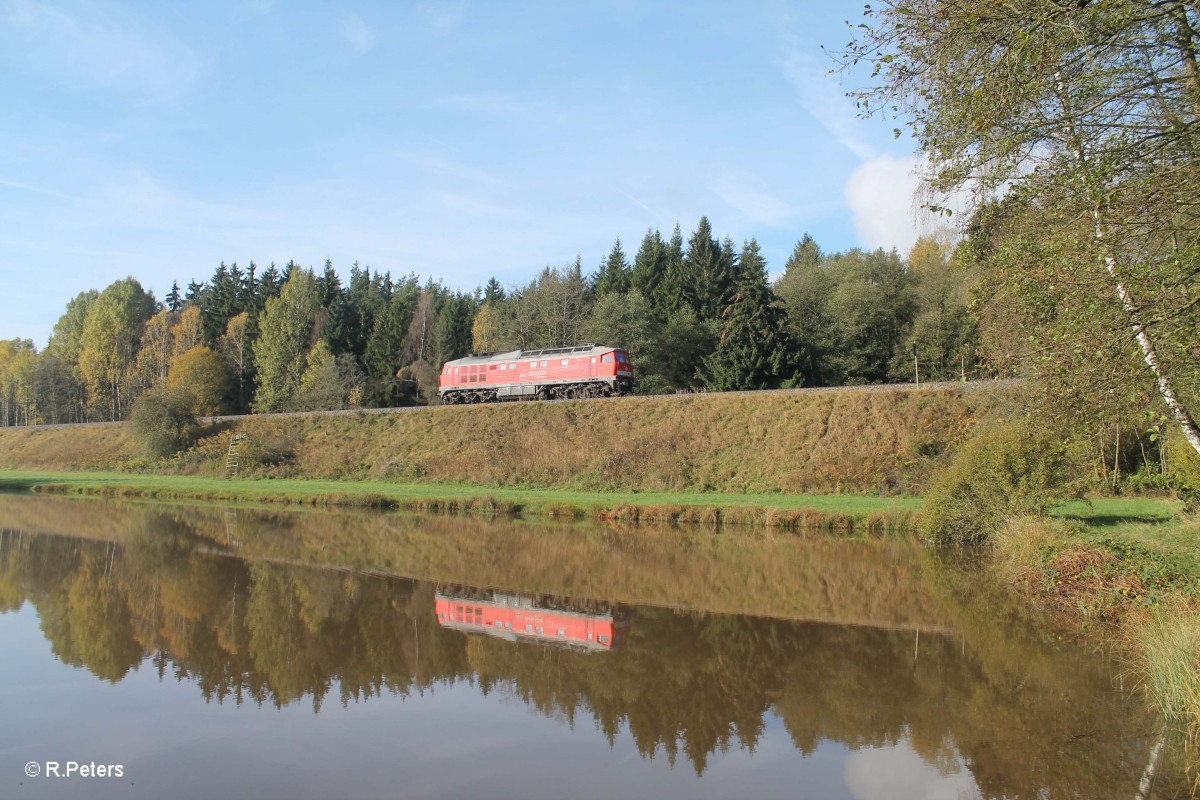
(685, 683)
(873, 583)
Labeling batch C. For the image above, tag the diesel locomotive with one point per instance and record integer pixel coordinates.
(586, 370)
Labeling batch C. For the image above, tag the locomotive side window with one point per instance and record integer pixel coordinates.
(504, 366)
(593, 359)
(544, 363)
(565, 361)
(512, 365)
(533, 365)
(607, 359)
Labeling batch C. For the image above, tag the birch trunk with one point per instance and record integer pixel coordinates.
(1132, 315)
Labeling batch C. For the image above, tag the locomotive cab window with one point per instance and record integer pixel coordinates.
(620, 358)
(607, 358)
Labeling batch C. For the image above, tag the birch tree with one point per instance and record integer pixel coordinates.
(1090, 110)
(111, 334)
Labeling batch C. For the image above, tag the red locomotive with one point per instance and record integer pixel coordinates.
(587, 370)
(559, 621)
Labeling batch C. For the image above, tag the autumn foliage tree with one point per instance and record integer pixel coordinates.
(1088, 113)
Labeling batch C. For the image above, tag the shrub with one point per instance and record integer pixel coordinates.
(1009, 470)
(1183, 468)
(163, 423)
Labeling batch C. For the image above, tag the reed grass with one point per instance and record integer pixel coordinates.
(1166, 647)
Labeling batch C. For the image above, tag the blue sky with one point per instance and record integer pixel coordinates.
(458, 140)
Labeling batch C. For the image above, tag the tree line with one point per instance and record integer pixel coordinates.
(694, 314)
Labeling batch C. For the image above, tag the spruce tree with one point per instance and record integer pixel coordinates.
(675, 291)
(173, 299)
(649, 268)
(707, 274)
(753, 351)
(493, 293)
(268, 285)
(614, 275)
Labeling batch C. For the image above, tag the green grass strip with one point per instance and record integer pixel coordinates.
(658, 505)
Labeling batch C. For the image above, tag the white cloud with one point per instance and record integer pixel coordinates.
(356, 33)
(899, 773)
(888, 198)
(881, 194)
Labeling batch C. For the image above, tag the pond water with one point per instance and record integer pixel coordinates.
(211, 652)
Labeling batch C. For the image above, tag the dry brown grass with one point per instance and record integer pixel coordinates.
(857, 441)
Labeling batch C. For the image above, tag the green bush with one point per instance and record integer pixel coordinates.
(163, 423)
(1009, 470)
(1183, 468)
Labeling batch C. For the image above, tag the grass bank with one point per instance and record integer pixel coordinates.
(1129, 571)
(867, 440)
(848, 514)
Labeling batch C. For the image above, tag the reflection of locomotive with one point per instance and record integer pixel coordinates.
(588, 370)
(548, 619)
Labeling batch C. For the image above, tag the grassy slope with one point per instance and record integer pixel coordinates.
(866, 441)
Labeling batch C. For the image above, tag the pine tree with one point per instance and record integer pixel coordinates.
(337, 327)
(493, 293)
(614, 275)
(173, 299)
(708, 272)
(455, 317)
(675, 291)
(650, 267)
(752, 352)
(220, 302)
(194, 294)
(384, 353)
(268, 285)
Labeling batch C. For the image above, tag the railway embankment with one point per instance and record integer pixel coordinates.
(865, 441)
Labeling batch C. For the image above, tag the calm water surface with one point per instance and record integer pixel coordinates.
(221, 653)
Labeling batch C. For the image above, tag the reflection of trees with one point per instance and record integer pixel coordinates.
(1023, 715)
